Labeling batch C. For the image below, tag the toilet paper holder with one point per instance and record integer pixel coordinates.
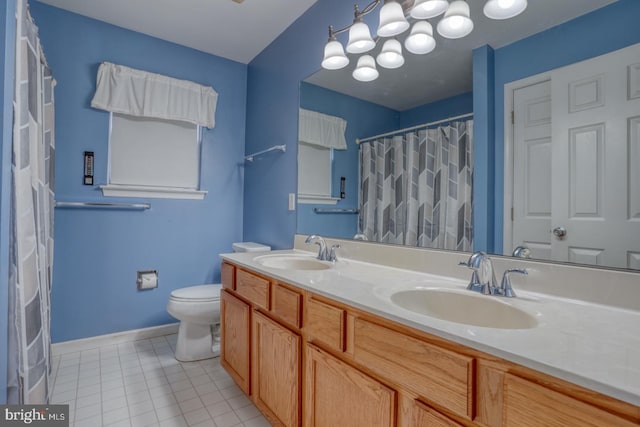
(147, 279)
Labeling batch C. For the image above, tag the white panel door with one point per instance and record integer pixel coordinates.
(532, 169)
(595, 178)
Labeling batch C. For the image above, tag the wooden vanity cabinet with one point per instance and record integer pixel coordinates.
(235, 334)
(261, 348)
(437, 375)
(338, 394)
(306, 359)
(276, 365)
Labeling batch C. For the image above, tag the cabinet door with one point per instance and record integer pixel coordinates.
(235, 316)
(340, 395)
(276, 370)
(424, 416)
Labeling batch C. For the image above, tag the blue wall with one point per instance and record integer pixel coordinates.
(483, 146)
(363, 119)
(272, 118)
(438, 110)
(604, 30)
(7, 72)
(98, 252)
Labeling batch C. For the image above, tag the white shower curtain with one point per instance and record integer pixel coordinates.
(31, 240)
(416, 188)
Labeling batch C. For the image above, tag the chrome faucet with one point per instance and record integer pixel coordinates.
(483, 278)
(323, 255)
(521, 252)
(505, 286)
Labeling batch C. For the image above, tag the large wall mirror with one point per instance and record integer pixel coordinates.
(535, 57)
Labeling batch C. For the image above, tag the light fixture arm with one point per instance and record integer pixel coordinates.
(357, 16)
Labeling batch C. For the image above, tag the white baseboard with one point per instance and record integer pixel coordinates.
(72, 346)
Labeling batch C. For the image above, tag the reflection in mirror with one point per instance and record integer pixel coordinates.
(535, 49)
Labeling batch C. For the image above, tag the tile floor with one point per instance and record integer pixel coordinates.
(140, 384)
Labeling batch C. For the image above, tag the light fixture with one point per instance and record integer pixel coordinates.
(366, 69)
(456, 22)
(504, 9)
(391, 55)
(360, 40)
(425, 9)
(392, 19)
(334, 57)
(421, 40)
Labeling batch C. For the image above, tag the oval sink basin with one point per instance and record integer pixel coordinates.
(464, 307)
(292, 262)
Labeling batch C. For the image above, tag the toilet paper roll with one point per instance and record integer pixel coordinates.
(148, 280)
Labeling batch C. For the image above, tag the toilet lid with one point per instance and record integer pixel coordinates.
(200, 293)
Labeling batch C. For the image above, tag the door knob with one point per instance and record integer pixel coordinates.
(559, 232)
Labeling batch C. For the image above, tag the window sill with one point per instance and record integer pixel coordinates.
(311, 199)
(118, 190)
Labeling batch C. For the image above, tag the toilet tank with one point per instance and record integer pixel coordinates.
(250, 247)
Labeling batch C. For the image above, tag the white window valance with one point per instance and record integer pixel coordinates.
(322, 130)
(125, 90)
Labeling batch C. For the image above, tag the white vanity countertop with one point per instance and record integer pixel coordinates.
(592, 345)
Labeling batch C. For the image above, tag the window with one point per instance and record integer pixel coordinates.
(153, 158)
(319, 134)
(314, 174)
(155, 132)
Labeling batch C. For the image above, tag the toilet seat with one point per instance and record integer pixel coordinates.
(199, 293)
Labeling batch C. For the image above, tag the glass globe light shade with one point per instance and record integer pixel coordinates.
(360, 40)
(504, 9)
(391, 54)
(366, 69)
(425, 9)
(392, 20)
(334, 57)
(421, 40)
(456, 22)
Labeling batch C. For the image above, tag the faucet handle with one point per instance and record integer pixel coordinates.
(505, 286)
(332, 253)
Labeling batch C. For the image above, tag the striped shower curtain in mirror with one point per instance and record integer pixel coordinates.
(416, 188)
(31, 240)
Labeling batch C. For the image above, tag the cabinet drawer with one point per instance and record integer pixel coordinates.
(326, 323)
(529, 404)
(227, 273)
(438, 375)
(287, 305)
(253, 288)
(424, 416)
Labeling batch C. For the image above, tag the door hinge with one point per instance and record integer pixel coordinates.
(513, 117)
(512, 214)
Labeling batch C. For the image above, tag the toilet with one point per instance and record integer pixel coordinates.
(198, 310)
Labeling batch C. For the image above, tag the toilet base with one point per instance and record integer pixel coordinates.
(197, 342)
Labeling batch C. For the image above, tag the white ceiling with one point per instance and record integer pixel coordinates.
(237, 31)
